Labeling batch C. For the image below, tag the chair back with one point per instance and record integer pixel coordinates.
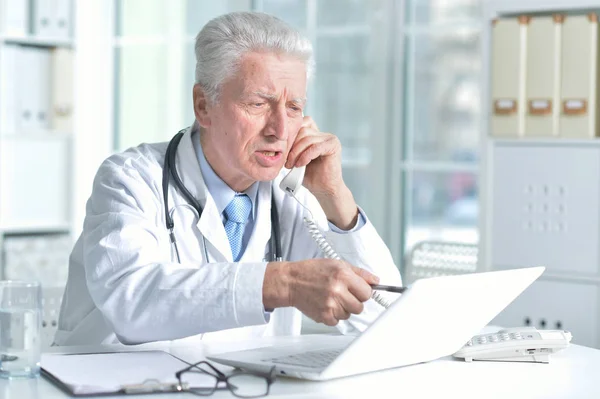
(439, 258)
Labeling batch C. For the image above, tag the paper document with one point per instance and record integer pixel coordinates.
(112, 372)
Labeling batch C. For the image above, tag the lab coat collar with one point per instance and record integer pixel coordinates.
(210, 223)
(221, 193)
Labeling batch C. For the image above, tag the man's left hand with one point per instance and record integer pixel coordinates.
(321, 153)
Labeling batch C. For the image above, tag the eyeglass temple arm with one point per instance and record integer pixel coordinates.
(213, 368)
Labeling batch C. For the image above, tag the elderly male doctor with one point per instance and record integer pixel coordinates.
(127, 281)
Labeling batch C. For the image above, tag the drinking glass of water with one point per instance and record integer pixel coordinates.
(20, 329)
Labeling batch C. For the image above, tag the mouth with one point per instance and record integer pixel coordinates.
(269, 158)
(270, 153)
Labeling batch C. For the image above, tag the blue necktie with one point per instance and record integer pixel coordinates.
(236, 215)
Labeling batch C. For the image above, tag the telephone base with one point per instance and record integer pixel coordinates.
(523, 344)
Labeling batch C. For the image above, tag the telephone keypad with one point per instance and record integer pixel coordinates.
(501, 337)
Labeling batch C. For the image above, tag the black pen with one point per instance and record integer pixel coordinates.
(388, 288)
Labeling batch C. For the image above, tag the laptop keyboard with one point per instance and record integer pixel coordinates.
(313, 359)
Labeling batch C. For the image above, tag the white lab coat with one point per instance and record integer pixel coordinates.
(126, 285)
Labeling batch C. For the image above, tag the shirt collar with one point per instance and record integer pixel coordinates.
(221, 193)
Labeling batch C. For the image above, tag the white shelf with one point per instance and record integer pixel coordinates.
(39, 41)
(59, 228)
(541, 6)
(571, 277)
(37, 134)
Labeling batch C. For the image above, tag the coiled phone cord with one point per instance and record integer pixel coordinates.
(330, 253)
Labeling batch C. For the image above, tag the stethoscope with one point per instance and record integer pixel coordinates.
(170, 171)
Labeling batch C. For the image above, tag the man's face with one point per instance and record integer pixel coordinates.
(249, 132)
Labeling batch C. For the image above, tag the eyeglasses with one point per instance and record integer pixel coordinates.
(241, 384)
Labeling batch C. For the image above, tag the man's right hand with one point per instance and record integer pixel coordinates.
(325, 290)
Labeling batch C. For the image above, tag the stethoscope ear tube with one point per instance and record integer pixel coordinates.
(172, 169)
(276, 253)
(165, 183)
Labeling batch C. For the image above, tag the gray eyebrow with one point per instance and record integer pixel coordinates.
(265, 95)
(298, 100)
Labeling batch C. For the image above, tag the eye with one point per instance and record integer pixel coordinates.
(257, 105)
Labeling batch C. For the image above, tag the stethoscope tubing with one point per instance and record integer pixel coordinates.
(170, 173)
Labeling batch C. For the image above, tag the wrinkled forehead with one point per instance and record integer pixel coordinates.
(271, 76)
(275, 97)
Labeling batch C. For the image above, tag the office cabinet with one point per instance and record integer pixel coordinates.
(36, 135)
(543, 211)
(549, 304)
(544, 207)
(542, 184)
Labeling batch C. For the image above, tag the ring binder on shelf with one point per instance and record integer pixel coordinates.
(508, 91)
(579, 80)
(543, 76)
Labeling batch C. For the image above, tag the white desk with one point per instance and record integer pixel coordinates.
(573, 373)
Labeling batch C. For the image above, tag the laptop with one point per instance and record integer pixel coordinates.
(433, 318)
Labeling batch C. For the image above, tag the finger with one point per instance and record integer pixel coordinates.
(313, 151)
(351, 304)
(307, 121)
(330, 320)
(308, 130)
(365, 274)
(340, 313)
(361, 290)
(299, 146)
(313, 143)
(313, 147)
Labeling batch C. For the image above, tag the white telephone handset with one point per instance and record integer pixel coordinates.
(293, 180)
(291, 183)
(521, 344)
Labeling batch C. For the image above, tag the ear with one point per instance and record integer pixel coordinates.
(201, 105)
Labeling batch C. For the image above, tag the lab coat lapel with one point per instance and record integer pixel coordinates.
(210, 223)
(211, 227)
(255, 251)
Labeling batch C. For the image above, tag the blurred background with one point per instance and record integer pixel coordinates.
(399, 82)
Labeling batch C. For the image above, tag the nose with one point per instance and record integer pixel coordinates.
(277, 125)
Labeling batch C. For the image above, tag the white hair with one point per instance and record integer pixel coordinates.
(224, 40)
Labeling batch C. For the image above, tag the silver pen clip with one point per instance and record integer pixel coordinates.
(152, 385)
